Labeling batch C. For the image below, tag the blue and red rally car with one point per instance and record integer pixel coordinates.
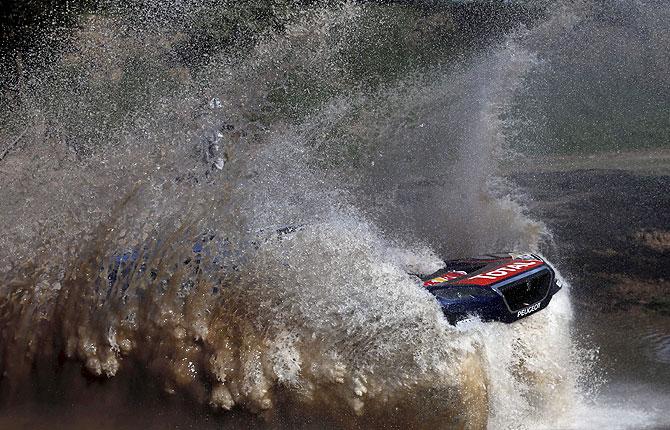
(496, 287)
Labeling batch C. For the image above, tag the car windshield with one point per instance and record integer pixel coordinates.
(458, 293)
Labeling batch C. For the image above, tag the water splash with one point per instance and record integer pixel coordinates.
(145, 200)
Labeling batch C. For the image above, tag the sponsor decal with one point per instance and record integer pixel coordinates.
(452, 274)
(503, 272)
(530, 309)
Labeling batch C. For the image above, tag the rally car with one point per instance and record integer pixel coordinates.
(495, 287)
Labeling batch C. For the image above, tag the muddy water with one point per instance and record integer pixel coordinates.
(199, 232)
(610, 231)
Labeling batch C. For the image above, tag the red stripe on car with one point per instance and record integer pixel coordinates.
(504, 271)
